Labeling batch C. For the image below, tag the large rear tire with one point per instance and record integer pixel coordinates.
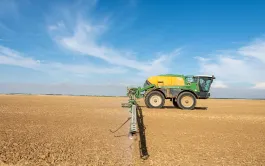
(154, 99)
(186, 101)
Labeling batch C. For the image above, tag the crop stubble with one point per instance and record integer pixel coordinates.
(70, 130)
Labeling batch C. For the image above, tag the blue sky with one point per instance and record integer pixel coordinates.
(123, 42)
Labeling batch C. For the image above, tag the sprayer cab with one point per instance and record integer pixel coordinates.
(202, 83)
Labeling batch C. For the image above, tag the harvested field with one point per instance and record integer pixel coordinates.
(70, 130)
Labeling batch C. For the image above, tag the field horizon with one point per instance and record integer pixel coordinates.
(116, 96)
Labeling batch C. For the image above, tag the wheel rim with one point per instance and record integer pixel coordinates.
(155, 100)
(187, 101)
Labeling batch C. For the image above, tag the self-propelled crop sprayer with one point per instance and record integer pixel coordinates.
(182, 90)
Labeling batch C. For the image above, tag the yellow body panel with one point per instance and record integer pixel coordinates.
(166, 81)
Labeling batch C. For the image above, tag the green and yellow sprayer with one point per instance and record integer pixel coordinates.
(182, 90)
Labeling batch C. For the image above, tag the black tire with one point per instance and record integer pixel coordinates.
(175, 103)
(189, 103)
(151, 99)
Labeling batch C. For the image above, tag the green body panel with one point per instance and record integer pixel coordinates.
(136, 92)
(192, 87)
(186, 87)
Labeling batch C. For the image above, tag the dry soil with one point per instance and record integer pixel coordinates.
(69, 130)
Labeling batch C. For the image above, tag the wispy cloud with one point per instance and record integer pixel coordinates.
(84, 41)
(11, 57)
(219, 84)
(255, 49)
(59, 25)
(85, 37)
(260, 85)
(243, 65)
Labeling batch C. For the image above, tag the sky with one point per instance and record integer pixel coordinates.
(80, 45)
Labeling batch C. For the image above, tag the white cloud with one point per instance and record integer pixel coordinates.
(59, 25)
(202, 59)
(219, 84)
(85, 41)
(245, 65)
(83, 69)
(11, 57)
(255, 49)
(260, 85)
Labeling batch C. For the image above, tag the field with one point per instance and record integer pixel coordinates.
(70, 130)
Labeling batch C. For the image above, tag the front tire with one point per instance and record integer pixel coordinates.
(154, 99)
(186, 101)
